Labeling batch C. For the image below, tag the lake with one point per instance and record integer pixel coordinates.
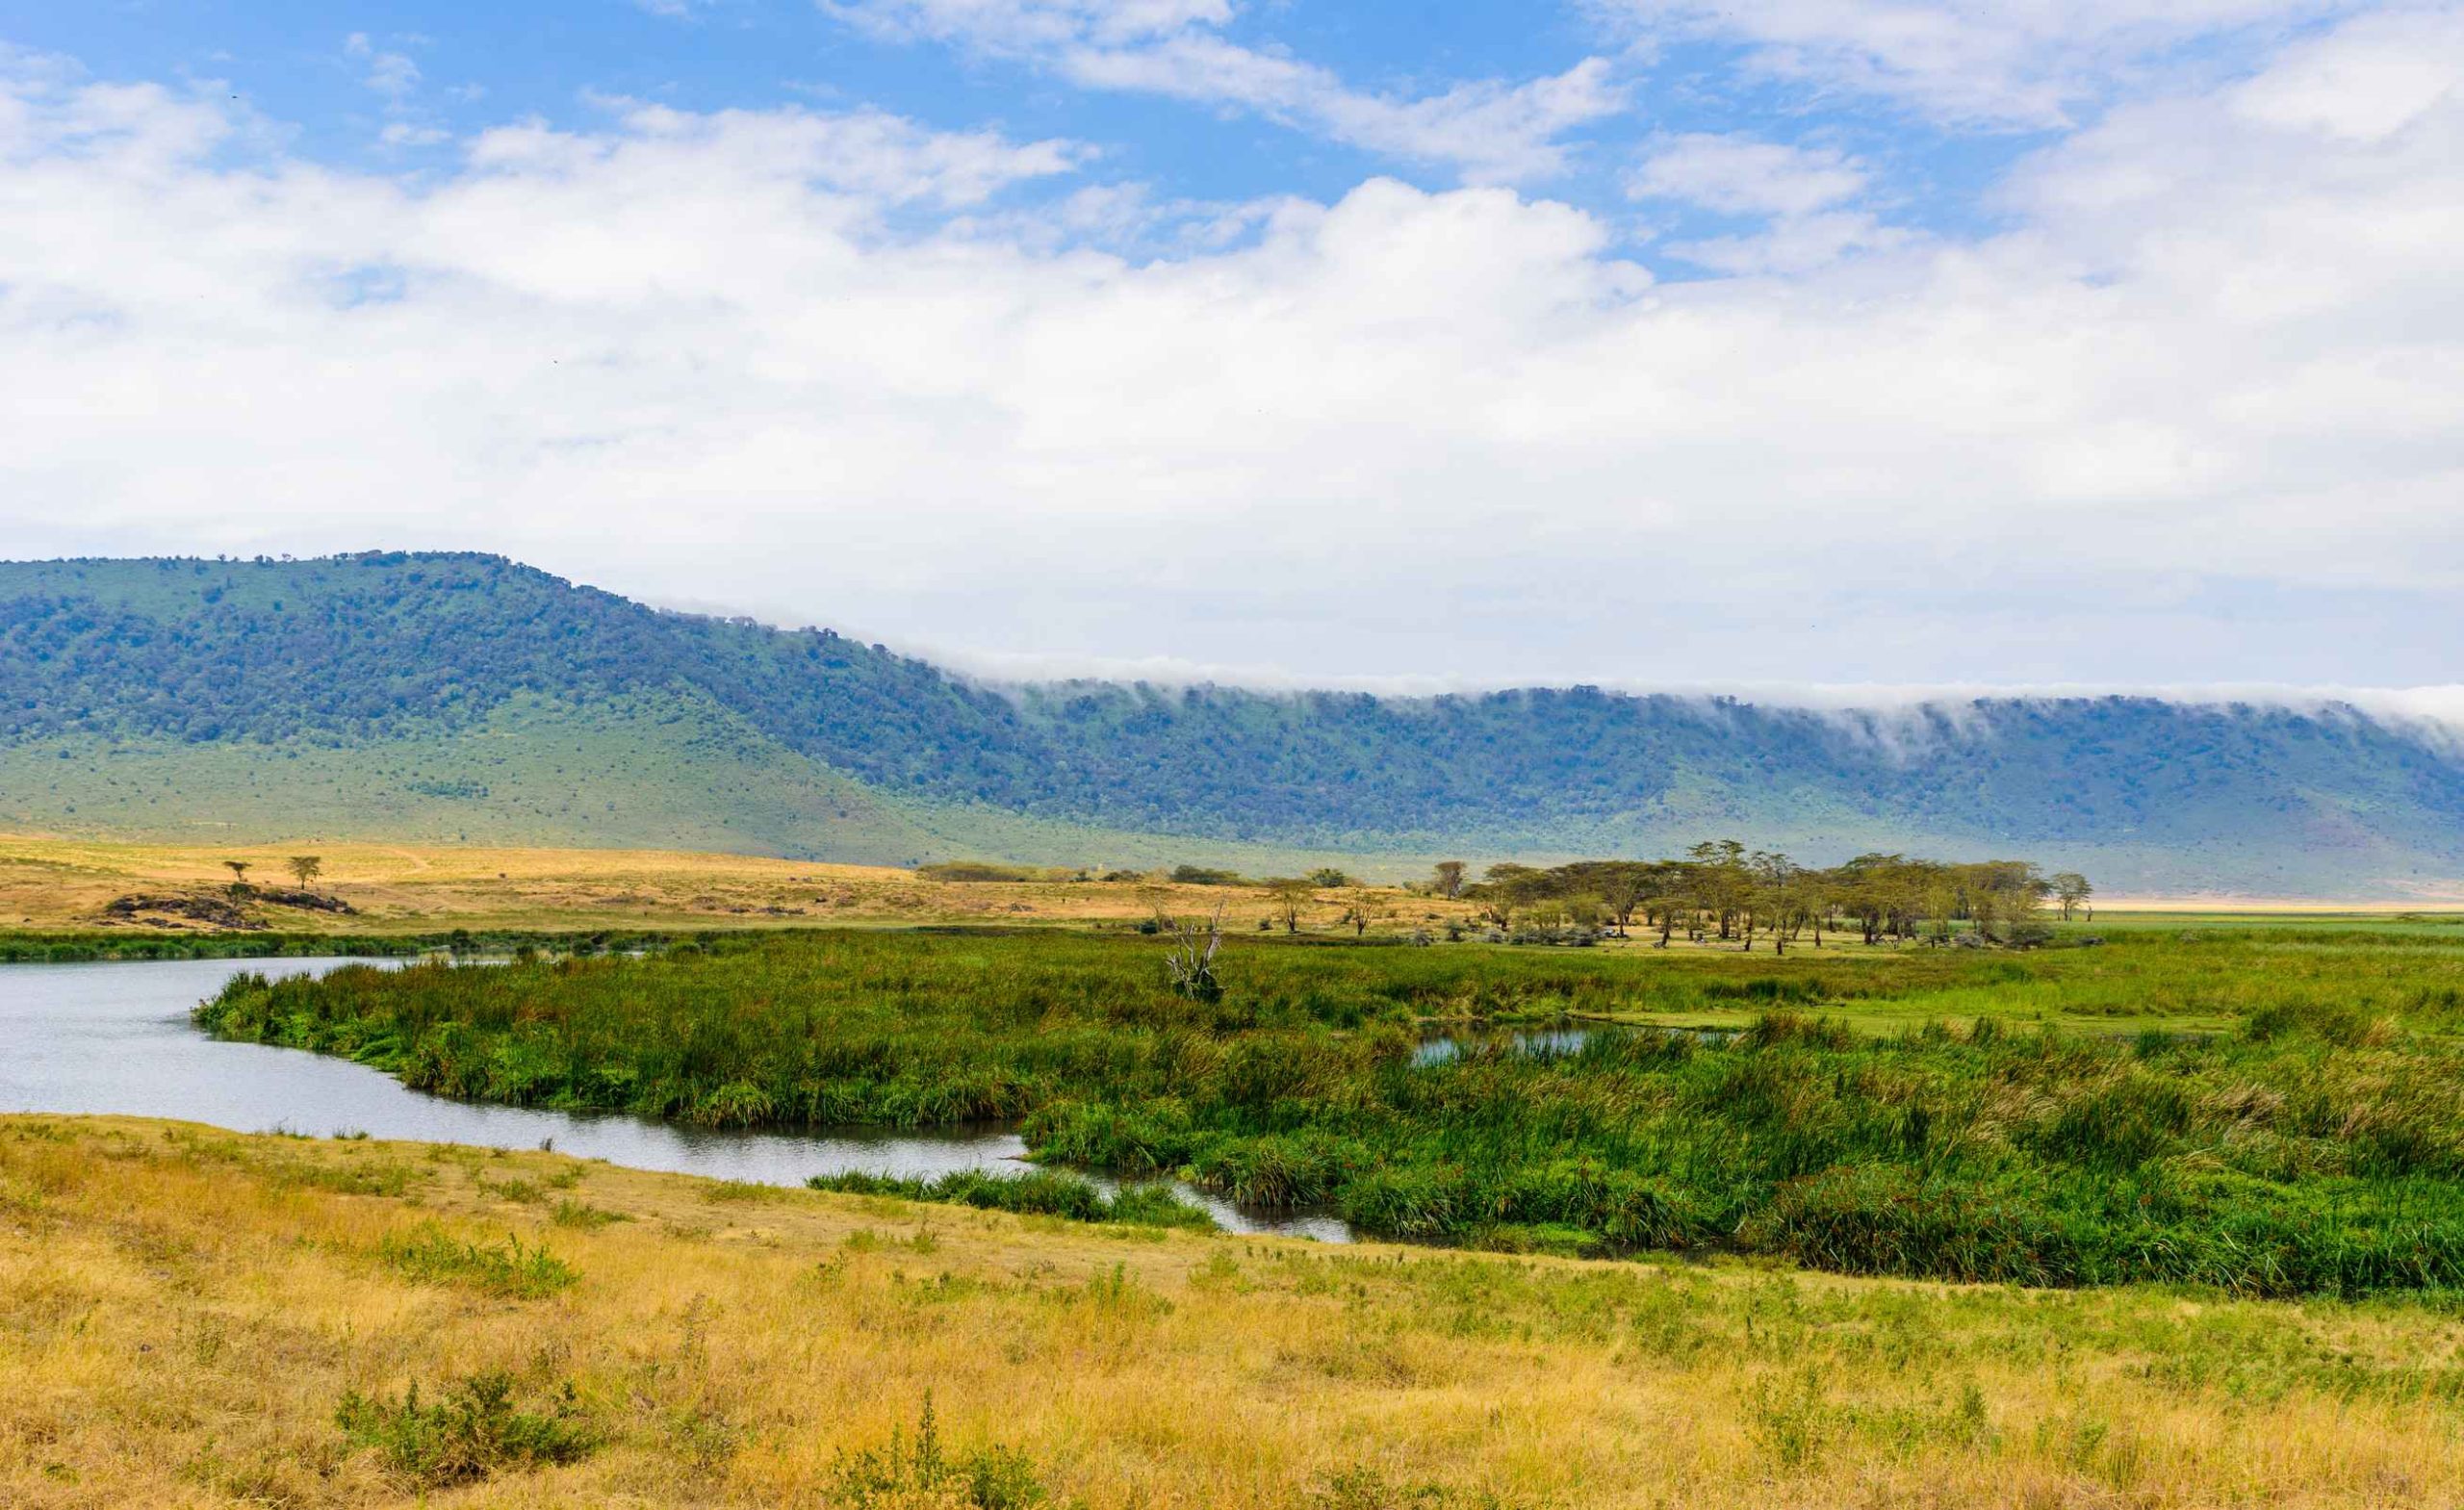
(115, 1038)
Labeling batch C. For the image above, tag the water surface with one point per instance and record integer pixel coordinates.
(115, 1037)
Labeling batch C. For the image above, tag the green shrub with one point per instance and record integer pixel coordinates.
(473, 1431)
(1040, 1192)
(571, 1213)
(976, 870)
(903, 1474)
(429, 1255)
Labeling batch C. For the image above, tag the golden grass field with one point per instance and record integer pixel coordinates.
(62, 884)
(183, 1310)
(54, 883)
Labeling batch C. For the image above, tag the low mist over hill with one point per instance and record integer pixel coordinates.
(467, 697)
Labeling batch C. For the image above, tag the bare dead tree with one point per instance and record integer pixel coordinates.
(1191, 957)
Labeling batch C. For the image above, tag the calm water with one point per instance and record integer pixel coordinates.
(115, 1038)
(1445, 1048)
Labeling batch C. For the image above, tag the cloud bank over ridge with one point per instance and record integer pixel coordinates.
(2182, 414)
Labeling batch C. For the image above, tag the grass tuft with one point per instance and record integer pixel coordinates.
(429, 1255)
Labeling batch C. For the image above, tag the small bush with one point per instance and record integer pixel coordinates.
(1365, 1488)
(1762, 988)
(1041, 1193)
(1774, 1029)
(2335, 1023)
(900, 1475)
(429, 1255)
(973, 870)
(473, 1432)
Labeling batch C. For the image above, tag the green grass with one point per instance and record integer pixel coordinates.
(1921, 1112)
(1041, 1193)
(429, 1255)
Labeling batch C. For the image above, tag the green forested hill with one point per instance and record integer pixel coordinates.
(437, 696)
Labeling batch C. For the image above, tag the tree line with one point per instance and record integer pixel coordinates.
(1721, 891)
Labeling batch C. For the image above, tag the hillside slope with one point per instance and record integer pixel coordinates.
(464, 696)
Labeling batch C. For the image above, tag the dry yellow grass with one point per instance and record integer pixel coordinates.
(50, 882)
(181, 1310)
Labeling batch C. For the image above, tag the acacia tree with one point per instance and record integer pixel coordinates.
(306, 868)
(2071, 893)
(1774, 897)
(1723, 884)
(1365, 907)
(1673, 884)
(239, 869)
(1507, 888)
(1286, 896)
(1620, 886)
(1449, 878)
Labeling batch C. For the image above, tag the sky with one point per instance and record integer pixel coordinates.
(1627, 342)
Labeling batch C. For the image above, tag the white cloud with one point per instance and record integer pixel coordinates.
(2190, 416)
(396, 77)
(392, 74)
(2365, 82)
(1027, 25)
(1493, 132)
(2023, 62)
(1794, 244)
(1802, 190)
(403, 134)
(1740, 175)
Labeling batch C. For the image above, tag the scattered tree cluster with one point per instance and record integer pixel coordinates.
(1723, 892)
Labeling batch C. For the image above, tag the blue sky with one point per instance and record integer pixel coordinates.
(335, 80)
(1634, 341)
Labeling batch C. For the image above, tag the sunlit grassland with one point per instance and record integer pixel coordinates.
(52, 884)
(184, 1313)
(2050, 1121)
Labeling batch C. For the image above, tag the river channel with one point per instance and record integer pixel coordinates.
(115, 1038)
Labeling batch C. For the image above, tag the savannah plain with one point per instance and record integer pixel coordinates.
(184, 1310)
(197, 1317)
(53, 884)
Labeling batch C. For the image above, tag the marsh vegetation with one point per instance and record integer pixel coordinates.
(2268, 1113)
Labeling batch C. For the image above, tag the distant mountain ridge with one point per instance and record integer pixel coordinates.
(460, 695)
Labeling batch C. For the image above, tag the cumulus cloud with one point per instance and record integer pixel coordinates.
(2190, 417)
(2015, 63)
(1493, 131)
